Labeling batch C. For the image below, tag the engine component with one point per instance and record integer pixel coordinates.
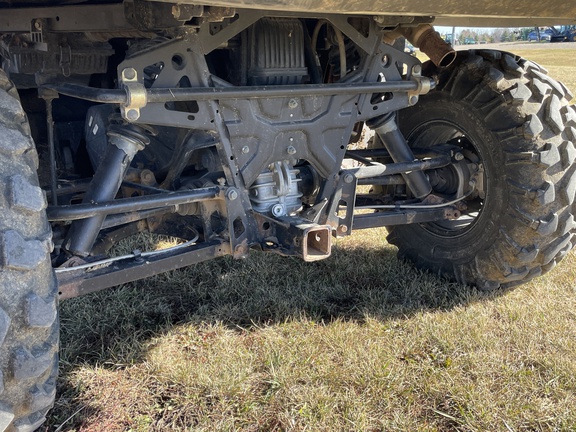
(275, 191)
(275, 52)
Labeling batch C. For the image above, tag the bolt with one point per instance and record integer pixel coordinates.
(245, 149)
(37, 24)
(129, 73)
(384, 60)
(147, 177)
(348, 178)
(292, 104)
(458, 156)
(277, 210)
(291, 150)
(343, 228)
(417, 69)
(413, 100)
(232, 194)
(132, 114)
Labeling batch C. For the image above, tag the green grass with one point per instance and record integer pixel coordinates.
(358, 342)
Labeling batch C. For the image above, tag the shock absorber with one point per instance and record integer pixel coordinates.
(124, 141)
(388, 132)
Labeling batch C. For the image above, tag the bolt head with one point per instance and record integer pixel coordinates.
(129, 73)
(132, 114)
(291, 150)
(277, 210)
(232, 194)
(348, 178)
(458, 156)
(343, 228)
(293, 103)
(245, 149)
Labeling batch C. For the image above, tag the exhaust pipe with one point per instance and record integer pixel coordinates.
(429, 41)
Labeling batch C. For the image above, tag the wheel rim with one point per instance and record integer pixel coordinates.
(442, 131)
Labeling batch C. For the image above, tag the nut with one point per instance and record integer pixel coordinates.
(129, 73)
(232, 194)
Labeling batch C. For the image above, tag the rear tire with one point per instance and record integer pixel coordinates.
(519, 122)
(28, 295)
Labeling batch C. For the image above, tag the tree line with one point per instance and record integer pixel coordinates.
(468, 36)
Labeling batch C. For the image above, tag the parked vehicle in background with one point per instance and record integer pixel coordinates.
(544, 36)
(566, 33)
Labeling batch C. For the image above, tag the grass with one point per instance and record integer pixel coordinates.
(561, 64)
(357, 342)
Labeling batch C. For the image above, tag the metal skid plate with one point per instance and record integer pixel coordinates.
(267, 130)
(258, 132)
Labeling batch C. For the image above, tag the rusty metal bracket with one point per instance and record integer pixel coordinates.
(74, 283)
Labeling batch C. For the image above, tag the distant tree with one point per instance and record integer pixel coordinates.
(524, 32)
(497, 35)
(507, 36)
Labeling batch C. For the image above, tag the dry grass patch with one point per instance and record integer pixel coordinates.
(560, 63)
(358, 342)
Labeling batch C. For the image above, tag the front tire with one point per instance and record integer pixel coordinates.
(517, 121)
(28, 289)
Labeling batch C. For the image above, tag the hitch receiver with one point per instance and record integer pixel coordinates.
(316, 241)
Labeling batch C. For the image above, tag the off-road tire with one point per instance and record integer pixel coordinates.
(28, 289)
(524, 129)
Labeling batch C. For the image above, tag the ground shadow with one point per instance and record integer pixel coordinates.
(111, 327)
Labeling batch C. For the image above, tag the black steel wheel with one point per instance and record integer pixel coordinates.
(513, 122)
(28, 294)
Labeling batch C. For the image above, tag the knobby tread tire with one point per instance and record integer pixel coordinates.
(529, 132)
(28, 297)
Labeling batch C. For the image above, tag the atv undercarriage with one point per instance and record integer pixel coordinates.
(230, 128)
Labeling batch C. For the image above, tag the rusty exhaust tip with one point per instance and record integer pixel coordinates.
(430, 43)
(317, 243)
(448, 59)
(441, 53)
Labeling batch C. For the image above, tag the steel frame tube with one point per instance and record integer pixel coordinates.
(154, 95)
(373, 172)
(122, 205)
